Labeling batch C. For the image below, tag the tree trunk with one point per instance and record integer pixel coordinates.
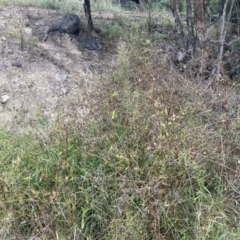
(87, 10)
(173, 7)
(222, 40)
(196, 12)
(192, 38)
(200, 9)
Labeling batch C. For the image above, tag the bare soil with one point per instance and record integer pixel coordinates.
(56, 79)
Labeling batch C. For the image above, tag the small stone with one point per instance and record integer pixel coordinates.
(7, 15)
(65, 90)
(22, 85)
(41, 23)
(60, 77)
(3, 39)
(16, 64)
(10, 51)
(27, 34)
(4, 99)
(28, 31)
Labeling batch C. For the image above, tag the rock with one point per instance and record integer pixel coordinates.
(89, 43)
(6, 14)
(4, 99)
(70, 24)
(10, 51)
(65, 90)
(22, 85)
(16, 64)
(87, 66)
(27, 34)
(60, 77)
(40, 24)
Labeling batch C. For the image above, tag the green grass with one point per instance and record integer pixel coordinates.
(38, 3)
(159, 160)
(65, 6)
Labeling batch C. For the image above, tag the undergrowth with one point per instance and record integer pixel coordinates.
(160, 160)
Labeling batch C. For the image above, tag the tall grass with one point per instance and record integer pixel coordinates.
(160, 160)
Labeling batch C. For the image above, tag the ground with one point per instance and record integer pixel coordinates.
(56, 78)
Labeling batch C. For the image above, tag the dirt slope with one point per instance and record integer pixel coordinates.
(56, 79)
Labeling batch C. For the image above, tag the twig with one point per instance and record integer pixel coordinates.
(230, 43)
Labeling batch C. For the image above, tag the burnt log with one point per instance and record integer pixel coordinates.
(87, 10)
(70, 25)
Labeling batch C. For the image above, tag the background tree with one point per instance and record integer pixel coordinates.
(224, 16)
(195, 34)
